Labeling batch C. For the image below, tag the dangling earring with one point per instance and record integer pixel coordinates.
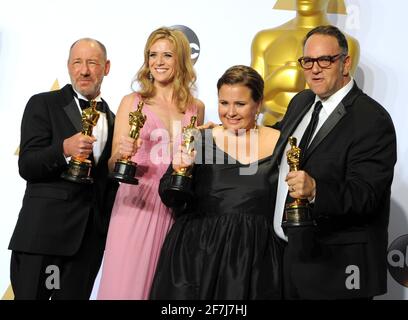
(256, 120)
(150, 76)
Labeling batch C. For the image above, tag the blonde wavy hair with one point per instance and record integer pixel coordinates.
(184, 77)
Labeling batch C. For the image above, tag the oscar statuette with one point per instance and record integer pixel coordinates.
(125, 169)
(179, 189)
(298, 212)
(79, 168)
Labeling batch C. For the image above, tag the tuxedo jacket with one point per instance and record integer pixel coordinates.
(55, 212)
(352, 159)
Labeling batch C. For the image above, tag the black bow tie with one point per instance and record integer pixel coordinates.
(100, 106)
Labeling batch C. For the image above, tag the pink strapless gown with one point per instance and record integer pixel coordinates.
(139, 221)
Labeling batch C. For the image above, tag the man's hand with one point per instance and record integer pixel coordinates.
(301, 185)
(78, 145)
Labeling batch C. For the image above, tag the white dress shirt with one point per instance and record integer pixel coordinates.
(328, 107)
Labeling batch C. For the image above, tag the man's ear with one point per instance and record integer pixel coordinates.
(107, 67)
(347, 65)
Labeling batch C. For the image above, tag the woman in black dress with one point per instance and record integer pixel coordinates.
(222, 244)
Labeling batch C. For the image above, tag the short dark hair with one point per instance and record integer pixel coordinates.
(246, 76)
(332, 31)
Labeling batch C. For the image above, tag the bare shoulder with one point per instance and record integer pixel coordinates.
(218, 129)
(130, 98)
(200, 105)
(200, 111)
(269, 133)
(268, 139)
(128, 102)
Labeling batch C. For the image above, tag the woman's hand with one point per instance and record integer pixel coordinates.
(183, 159)
(208, 125)
(129, 146)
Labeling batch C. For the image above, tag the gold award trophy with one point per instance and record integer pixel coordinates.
(179, 189)
(79, 168)
(125, 169)
(275, 52)
(297, 213)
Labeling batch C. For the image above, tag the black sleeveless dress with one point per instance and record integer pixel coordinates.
(223, 245)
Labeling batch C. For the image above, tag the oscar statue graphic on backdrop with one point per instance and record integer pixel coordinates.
(274, 53)
(125, 169)
(179, 189)
(79, 168)
(297, 213)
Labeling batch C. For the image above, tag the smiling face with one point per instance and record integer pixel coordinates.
(87, 65)
(326, 81)
(236, 108)
(162, 61)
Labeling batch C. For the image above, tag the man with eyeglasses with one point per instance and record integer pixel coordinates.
(348, 146)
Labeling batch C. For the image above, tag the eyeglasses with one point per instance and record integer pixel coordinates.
(323, 61)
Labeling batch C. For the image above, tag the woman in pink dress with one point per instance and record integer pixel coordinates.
(140, 221)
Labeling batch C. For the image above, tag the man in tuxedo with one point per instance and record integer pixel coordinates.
(59, 239)
(348, 147)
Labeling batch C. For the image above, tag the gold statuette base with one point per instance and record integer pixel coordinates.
(179, 190)
(78, 171)
(297, 214)
(124, 171)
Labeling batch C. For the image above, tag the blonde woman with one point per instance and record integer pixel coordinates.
(140, 220)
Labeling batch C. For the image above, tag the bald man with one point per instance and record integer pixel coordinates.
(58, 242)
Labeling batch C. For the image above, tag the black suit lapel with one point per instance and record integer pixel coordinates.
(338, 113)
(106, 153)
(291, 124)
(73, 114)
(109, 116)
(71, 108)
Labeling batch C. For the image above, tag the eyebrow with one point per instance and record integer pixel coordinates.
(88, 59)
(151, 51)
